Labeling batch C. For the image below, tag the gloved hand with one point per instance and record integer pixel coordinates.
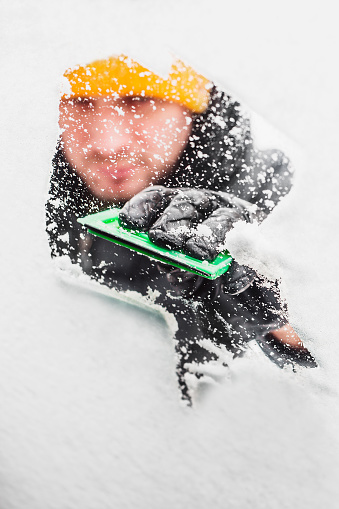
(193, 220)
(236, 280)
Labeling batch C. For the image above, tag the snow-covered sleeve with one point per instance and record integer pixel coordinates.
(68, 199)
(61, 209)
(259, 177)
(263, 179)
(57, 224)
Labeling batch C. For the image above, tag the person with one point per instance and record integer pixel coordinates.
(177, 155)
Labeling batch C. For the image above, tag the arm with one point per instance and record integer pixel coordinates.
(67, 199)
(220, 156)
(264, 178)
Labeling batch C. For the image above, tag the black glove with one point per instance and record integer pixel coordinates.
(193, 220)
(236, 280)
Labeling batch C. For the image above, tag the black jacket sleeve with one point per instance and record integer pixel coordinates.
(220, 156)
(263, 179)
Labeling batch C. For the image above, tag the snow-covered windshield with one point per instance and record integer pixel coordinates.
(178, 158)
(91, 413)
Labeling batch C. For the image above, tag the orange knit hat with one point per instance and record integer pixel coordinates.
(122, 76)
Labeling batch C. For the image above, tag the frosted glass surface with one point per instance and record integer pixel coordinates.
(90, 412)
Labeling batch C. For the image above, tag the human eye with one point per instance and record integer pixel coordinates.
(139, 101)
(136, 104)
(84, 103)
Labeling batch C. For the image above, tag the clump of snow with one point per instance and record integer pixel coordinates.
(249, 245)
(73, 274)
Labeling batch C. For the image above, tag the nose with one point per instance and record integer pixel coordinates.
(110, 132)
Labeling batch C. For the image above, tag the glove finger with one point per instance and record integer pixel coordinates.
(144, 208)
(187, 208)
(238, 278)
(208, 240)
(178, 274)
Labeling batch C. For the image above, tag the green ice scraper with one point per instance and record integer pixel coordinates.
(106, 224)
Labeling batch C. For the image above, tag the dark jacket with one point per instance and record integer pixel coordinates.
(219, 156)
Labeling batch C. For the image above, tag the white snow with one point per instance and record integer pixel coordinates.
(90, 414)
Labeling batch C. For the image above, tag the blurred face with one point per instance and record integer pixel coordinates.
(119, 146)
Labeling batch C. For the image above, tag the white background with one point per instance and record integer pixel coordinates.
(90, 415)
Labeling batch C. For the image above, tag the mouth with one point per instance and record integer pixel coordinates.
(119, 171)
